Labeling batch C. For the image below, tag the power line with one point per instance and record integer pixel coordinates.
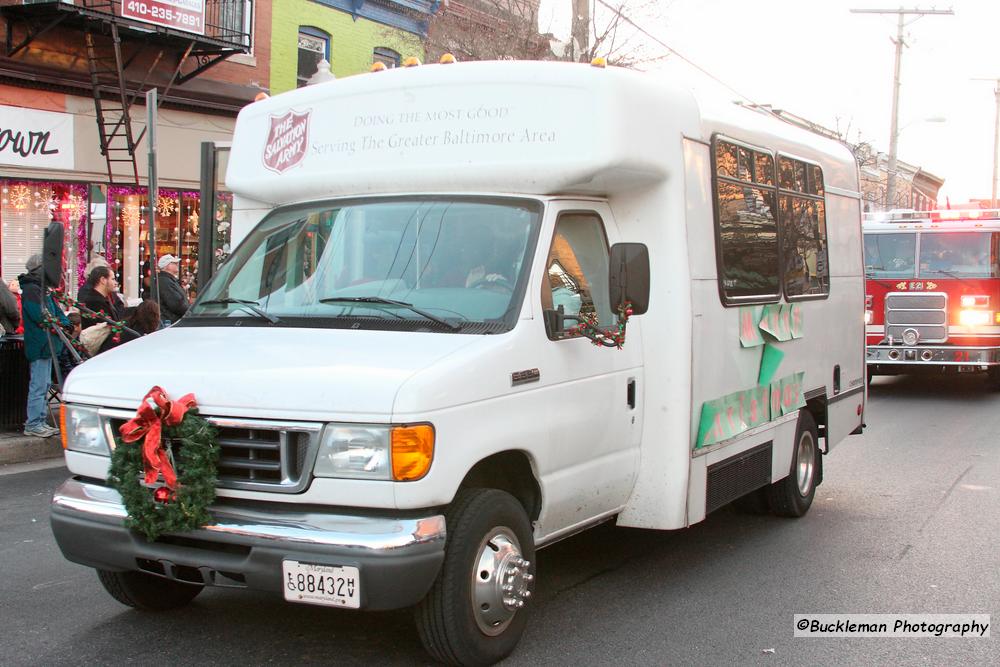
(674, 51)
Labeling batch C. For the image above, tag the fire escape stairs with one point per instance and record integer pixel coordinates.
(113, 100)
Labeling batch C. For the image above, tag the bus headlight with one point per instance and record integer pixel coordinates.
(81, 430)
(868, 317)
(396, 453)
(975, 318)
(357, 452)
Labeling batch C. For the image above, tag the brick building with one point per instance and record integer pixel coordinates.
(73, 75)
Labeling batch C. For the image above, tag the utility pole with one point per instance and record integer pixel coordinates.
(580, 38)
(996, 141)
(890, 186)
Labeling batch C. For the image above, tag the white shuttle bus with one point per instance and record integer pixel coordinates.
(476, 308)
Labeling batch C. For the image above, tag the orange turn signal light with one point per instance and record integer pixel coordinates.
(412, 451)
(63, 432)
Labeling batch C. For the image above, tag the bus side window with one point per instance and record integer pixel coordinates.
(802, 217)
(746, 228)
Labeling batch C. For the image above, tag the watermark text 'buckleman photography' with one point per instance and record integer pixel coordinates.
(892, 625)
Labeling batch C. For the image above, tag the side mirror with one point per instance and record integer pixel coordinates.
(629, 276)
(52, 254)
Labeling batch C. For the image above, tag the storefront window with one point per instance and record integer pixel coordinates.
(27, 208)
(177, 224)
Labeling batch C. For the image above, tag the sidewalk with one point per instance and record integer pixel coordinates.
(15, 447)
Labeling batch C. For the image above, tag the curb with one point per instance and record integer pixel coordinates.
(18, 448)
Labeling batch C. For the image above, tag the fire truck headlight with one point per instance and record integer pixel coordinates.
(975, 301)
(975, 318)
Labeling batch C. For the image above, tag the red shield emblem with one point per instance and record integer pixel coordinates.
(286, 141)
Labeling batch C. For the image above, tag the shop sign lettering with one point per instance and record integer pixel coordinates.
(33, 138)
(186, 15)
(286, 141)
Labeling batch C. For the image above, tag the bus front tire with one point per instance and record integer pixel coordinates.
(147, 592)
(475, 612)
(792, 496)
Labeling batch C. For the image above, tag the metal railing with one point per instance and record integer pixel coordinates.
(229, 21)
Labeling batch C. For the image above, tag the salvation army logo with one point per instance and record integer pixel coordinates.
(286, 141)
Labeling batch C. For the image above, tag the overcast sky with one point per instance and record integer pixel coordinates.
(817, 60)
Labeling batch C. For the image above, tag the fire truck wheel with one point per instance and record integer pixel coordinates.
(871, 374)
(993, 378)
(793, 495)
(474, 614)
(147, 592)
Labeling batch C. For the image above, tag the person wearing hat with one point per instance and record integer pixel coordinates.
(173, 299)
(37, 347)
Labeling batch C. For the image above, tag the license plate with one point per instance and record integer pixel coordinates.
(329, 585)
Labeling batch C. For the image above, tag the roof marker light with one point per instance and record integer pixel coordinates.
(261, 96)
(599, 62)
(377, 67)
(448, 59)
(412, 61)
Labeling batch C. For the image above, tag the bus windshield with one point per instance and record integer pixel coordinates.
(890, 255)
(421, 264)
(958, 255)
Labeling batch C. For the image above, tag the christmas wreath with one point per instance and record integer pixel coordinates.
(159, 498)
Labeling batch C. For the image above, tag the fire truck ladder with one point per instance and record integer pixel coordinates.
(111, 101)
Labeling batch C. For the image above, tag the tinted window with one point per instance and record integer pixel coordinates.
(802, 216)
(803, 246)
(748, 236)
(890, 255)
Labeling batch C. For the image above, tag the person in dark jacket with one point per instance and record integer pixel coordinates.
(99, 294)
(10, 314)
(38, 348)
(173, 299)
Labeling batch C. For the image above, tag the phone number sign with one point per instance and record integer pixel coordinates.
(186, 15)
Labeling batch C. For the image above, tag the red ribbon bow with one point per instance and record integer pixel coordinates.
(155, 412)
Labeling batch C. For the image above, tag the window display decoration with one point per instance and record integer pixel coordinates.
(19, 196)
(166, 204)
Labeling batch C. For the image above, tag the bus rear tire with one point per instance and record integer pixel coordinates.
(474, 613)
(793, 495)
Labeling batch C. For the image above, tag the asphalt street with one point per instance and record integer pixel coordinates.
(907, 521)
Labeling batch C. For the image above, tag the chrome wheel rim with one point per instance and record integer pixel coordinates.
(500, 581)
(805, 463)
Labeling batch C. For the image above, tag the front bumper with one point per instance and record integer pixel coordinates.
(939, 356)
(398, 557)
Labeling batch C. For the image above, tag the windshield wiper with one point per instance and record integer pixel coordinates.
(246, 304)
(390, 302)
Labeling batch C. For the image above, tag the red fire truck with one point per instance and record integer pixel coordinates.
(933, 292)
